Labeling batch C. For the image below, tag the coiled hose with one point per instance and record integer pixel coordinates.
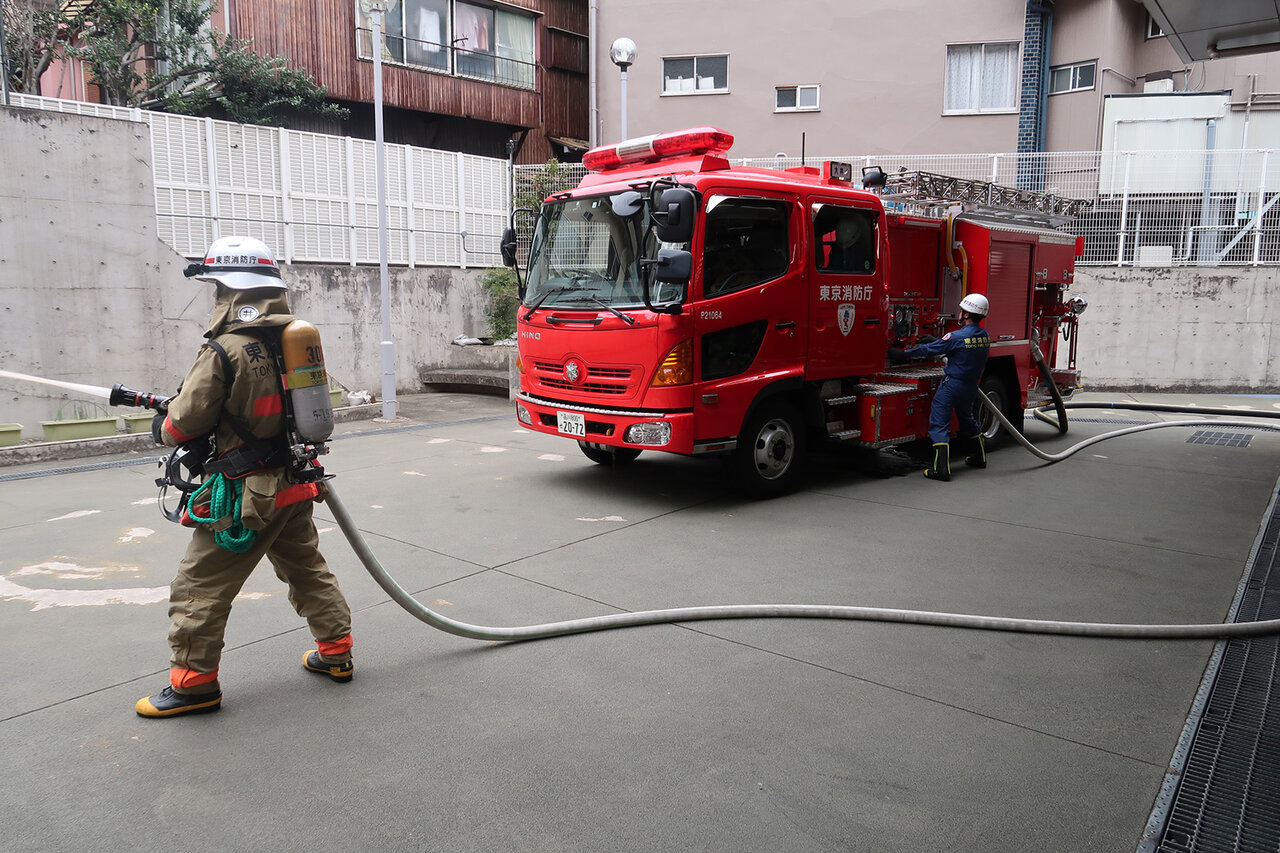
(809, 611)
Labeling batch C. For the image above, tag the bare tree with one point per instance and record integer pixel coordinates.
(34, 36)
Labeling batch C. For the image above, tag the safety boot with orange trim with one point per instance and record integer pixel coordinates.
(340, 672)
(171, 703)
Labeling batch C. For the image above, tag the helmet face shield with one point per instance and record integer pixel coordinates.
(240, 263)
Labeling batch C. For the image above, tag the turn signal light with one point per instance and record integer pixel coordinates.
(679, 143)
(676, 368)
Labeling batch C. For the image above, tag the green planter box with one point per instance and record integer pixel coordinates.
(337, 398)
(10, 435)
(82, 428)
(136, 422)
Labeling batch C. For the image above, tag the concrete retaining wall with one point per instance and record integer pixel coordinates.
(1184, 330)
(89, 294)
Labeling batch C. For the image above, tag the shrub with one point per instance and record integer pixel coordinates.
(503, 301)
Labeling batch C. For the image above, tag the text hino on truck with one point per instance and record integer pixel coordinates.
(676, 303)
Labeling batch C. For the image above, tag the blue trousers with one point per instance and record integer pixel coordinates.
(953, 396)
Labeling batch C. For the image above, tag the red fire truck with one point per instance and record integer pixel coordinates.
(674, 302)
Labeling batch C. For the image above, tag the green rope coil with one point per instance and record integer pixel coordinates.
(224, 502)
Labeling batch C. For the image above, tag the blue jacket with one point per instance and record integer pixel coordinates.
(966, 351)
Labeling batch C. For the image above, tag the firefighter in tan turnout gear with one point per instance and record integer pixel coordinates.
(234, 393)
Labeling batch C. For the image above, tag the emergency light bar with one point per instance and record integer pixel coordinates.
(660, 146)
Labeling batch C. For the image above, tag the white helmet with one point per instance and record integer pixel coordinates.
(976, 303)
(241, 263)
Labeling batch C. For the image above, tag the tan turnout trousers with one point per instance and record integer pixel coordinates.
(210, 577)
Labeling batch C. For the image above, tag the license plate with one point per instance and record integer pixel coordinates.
(572, 423)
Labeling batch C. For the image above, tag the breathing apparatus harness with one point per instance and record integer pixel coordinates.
(196, 469)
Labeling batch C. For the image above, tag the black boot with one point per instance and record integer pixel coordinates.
(171, 703)
(941, 467)
(977, 457)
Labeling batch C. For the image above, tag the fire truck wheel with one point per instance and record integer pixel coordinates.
(604, 454)
(769, 450)
(992, 430)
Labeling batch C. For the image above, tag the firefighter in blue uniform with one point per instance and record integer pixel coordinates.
(966, 353)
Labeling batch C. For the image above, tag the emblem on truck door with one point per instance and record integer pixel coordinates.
(844, 313)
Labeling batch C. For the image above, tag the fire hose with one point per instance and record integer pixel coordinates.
(613, 621)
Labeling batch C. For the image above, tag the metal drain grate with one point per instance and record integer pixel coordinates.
(1223, 791)
(1220, 438)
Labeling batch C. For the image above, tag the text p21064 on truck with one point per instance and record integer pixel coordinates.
(675, 302)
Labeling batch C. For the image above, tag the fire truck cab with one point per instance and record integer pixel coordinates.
(676, 303)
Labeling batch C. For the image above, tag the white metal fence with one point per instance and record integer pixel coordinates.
(1156, 208)
(313, 197)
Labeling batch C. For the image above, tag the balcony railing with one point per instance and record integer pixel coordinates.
(489, 66)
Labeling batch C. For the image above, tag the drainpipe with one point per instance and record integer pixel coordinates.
(1207, 243)
(1046, 43)
(593, 69)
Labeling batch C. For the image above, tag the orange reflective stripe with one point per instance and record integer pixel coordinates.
(190, 678)
(178, 436)
(337, 647)
(264, 406)
(297, 493)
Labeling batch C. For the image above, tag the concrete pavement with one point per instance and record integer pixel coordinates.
(779, 735)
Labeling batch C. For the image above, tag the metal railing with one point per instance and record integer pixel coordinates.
(489, 66)
(1145, 208)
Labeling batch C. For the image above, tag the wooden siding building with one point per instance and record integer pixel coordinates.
(463, 75)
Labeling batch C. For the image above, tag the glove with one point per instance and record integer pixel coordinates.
(897, 356)
(157, 428)
(927, 339)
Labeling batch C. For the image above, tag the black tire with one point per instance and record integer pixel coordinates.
(605, 454)
(999, 392)
(770, 450)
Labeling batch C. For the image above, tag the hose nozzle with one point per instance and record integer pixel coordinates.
(122, 396)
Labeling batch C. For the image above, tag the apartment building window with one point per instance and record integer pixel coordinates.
(695, 75)
(1071, 78)
(981, 78)
(454, 37)
(793, 99)
(1154, 30)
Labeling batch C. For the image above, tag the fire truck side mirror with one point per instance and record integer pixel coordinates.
(673, 215)
(508, 247)
(673, 265)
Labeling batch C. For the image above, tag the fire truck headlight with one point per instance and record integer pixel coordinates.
(522, 414)
(655, 434)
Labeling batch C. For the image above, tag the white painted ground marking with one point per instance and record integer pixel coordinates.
(605, 518)
(552, 457)
(413, 473)
(135, 533)
(488, 449)
(71, 571)
(43, 599)
(145, 502)
(439, 441)
(80, 513)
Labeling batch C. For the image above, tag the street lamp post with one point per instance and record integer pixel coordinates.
(376, 9)
(623, 54)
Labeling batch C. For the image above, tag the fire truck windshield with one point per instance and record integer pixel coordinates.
(585, 255)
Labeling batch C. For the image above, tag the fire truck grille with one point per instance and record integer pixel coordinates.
(600, 379)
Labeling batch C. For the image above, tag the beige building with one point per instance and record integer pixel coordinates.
(911, 76)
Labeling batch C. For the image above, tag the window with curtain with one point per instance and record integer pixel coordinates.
(455, 36)
(981, 78)
(426, 31)
(515, 49)
(694, 75)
